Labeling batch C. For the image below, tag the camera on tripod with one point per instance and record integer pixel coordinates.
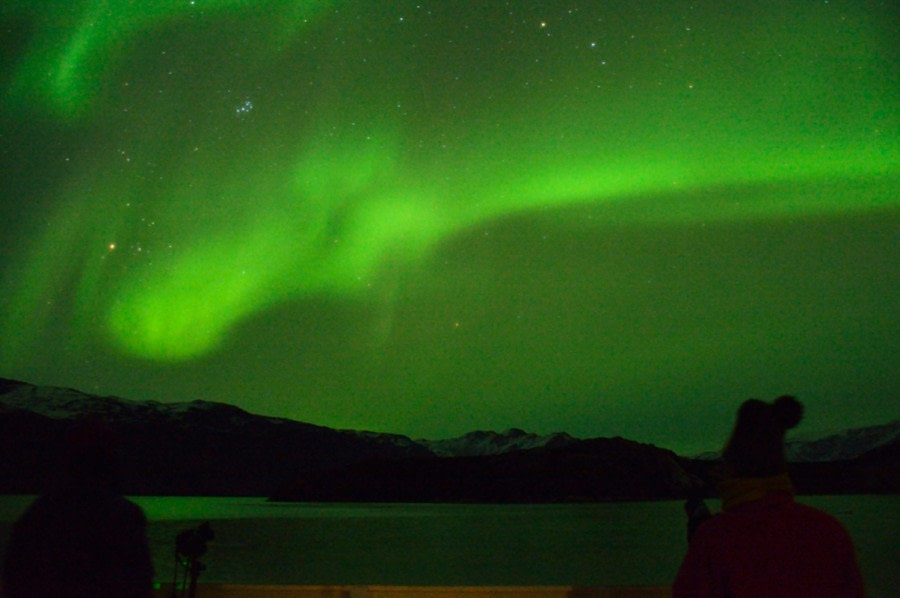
(190, 545)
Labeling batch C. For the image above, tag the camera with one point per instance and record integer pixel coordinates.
(191, 543)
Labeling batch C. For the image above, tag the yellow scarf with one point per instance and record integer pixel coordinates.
(737, 491)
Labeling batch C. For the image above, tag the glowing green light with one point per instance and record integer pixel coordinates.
(344, 167)
(68, 62)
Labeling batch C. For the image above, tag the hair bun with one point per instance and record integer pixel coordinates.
(788, 411)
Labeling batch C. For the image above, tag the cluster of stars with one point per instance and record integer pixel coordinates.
(245, 108)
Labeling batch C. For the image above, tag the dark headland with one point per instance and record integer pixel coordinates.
(215, 449)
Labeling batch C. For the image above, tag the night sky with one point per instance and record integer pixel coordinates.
(604, 217)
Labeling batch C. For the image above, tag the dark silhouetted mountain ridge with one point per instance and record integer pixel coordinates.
(197, 447)
(208, 448)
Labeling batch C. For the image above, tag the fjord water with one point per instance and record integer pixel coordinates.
(639, 543)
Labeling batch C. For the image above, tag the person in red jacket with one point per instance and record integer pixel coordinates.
(763, 543)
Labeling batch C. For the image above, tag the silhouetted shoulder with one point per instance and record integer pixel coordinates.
(771, 516)
(771, 543)
(818, 516)
(79, 544)
(764, 543)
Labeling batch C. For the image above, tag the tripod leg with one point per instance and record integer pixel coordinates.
(196, 568)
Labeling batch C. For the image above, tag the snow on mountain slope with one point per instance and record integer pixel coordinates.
(66, 403)
(494, 443)
(843, 445)
(839, 446)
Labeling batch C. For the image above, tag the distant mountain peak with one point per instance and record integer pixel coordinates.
(488, 442)
(842, 445)
(837, 446)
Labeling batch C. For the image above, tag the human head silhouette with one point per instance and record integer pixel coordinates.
(756, 446)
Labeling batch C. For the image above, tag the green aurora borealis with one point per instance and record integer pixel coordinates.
(438, 216)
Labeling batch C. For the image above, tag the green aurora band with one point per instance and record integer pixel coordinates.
(238, 156)
(67, 61)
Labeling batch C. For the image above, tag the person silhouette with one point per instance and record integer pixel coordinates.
(764, 543)
(82, 538)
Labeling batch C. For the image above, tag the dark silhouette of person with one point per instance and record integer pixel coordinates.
(82, 538)
(763, 543)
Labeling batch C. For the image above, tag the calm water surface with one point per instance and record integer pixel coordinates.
(442, 544)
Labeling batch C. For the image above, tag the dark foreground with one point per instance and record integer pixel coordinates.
(259, 591)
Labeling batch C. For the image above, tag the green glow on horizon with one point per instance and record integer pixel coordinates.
(181, 172)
